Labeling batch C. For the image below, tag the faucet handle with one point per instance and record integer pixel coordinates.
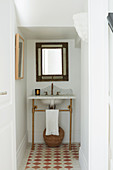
(46, 93)
(58, 92)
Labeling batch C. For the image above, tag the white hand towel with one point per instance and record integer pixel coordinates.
(52, 117)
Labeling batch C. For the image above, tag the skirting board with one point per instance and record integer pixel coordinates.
(21, 150)
(38, 137)
(82, 160)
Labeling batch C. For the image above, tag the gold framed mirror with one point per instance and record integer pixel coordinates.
(52, 61)
(19, 57)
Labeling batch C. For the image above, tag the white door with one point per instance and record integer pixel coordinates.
(7, 106)
(111, 92)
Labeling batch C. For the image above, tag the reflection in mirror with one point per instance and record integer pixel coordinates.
(20, 63)
(52, 61)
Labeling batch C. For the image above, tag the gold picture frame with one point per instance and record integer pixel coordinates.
(19, 57)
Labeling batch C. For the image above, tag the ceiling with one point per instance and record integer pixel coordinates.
(48, 12)
(50, 33)
(50, 19)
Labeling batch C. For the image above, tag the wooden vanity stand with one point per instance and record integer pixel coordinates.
(34, 109)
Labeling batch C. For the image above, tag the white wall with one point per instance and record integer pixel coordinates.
(84, 106)
(73, 83)
(111, 89)
(49, 12)
(21, 115)
(21, 109)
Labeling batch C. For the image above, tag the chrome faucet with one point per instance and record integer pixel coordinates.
(51, 88)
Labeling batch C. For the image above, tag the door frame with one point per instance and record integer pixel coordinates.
(98, 85)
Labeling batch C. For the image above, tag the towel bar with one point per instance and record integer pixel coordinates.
(45, 110)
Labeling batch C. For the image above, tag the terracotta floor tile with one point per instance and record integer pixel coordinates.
(43, 157)
(57, 167)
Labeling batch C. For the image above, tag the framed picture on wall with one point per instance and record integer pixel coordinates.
(19, 57)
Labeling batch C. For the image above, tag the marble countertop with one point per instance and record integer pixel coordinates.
(52, 97)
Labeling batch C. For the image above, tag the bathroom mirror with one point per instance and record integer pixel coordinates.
(52, 61)
(19, 58)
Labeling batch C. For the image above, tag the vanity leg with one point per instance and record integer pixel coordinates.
(70, 123)
(33, 124)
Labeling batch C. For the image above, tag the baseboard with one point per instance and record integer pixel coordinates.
(82, 160)
(21, 150)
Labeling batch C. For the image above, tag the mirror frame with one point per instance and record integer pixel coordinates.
(17, 57)
(55, 45)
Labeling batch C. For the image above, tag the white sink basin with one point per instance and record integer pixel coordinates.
(52, 102)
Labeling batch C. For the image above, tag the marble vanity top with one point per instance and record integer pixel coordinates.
(52, 97)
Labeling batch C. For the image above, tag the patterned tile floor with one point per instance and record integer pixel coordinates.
(44, 157)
